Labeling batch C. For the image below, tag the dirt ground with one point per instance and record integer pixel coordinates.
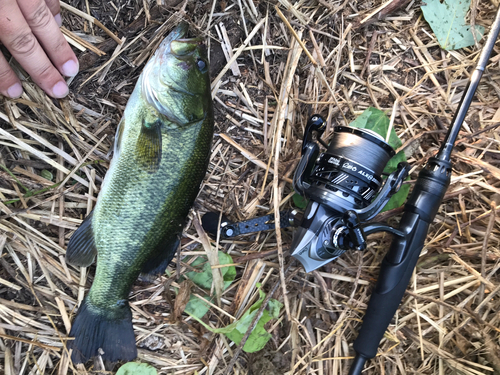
(354, 55)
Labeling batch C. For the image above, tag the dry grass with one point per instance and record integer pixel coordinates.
(281, 62)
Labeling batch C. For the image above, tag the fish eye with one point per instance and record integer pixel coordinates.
(202, 65)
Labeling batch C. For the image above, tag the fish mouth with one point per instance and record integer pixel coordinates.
(183, 47)
(180, 31)
(179, 43)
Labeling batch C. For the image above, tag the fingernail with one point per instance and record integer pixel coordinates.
(70, 68)
(58, 19)
(15, 91)
(60, 89)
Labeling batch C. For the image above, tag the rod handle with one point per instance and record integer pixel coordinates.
(397, 266)
(392, 284)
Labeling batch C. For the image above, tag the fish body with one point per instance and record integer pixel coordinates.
(161, 154)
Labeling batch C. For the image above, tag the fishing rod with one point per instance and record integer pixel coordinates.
(419, 212)
(345, 189)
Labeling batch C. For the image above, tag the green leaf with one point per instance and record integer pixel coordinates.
(447, 20)
(47, 174)
(203, 279)
(134, 368)
(392, 164)
(299, 201)
(399, 198)
(259, 336)
(198, 307)
(377, 121)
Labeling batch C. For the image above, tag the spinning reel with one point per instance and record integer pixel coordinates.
(345, 189)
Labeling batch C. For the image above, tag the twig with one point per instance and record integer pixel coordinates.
(486, 239)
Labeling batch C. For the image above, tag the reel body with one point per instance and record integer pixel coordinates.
(345, 189)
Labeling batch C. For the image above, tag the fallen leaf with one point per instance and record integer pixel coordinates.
(182, 299)
(259, 336)
(203, 278)
(135, 368)
(447, 20)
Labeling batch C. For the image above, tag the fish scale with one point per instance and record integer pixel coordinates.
(161, 155)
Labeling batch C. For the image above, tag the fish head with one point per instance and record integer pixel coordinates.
(176, 80)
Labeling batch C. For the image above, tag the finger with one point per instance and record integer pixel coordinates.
(55, 9)
(9, 83)
(47, 31)
(16, 35)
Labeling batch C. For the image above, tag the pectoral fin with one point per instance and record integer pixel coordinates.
(149, 146)
(81, 249)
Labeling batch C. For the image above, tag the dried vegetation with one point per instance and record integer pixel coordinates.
(273, 65)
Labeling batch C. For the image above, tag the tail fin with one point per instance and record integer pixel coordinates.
(110, 330)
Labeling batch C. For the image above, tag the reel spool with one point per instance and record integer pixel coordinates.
(349, 174)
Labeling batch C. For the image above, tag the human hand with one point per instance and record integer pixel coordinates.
(30, 31)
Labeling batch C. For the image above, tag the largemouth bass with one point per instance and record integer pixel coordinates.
(160, 158)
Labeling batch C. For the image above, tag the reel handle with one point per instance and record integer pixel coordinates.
(228, 229)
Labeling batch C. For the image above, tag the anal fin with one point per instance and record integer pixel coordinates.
(81, 249)
(158, 264)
